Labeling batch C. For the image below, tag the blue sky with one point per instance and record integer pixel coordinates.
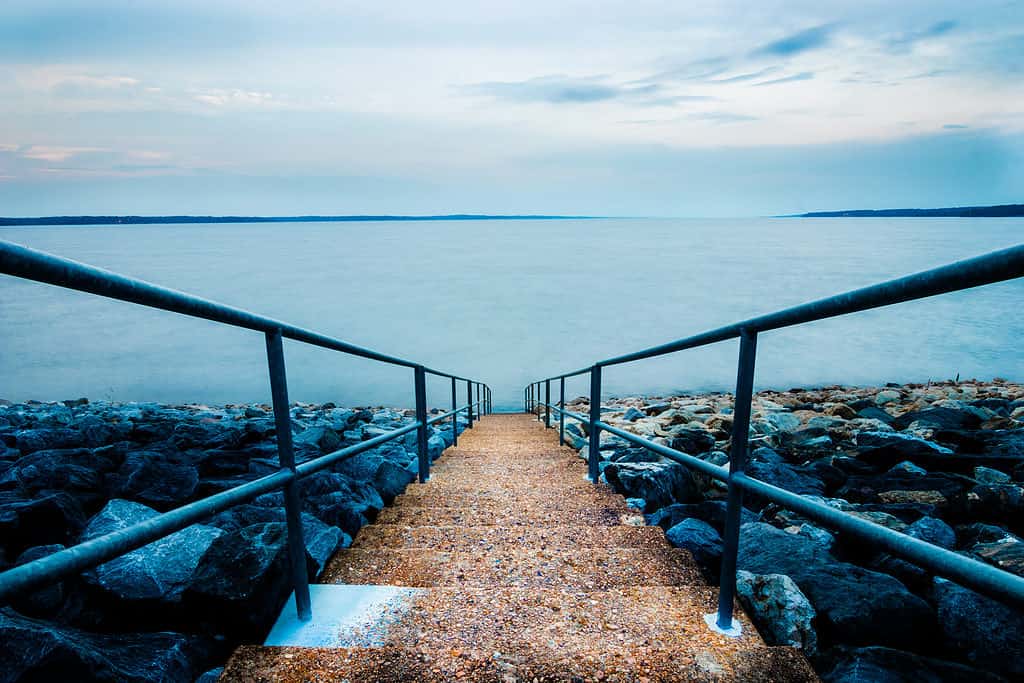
(611, 108)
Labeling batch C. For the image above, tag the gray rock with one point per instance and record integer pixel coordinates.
(907, 467)
(784, 476)
(987, 475)
(933, 531)
(47, 600)
(700, 538)
(632, 415)
(324, 438)
(31, 440)
(987, 632)
(39, 651)
(158, 571)
(657, 483)
(871, 664)
(158, 479)
(783, 422)
(692, 441)
(781, 612)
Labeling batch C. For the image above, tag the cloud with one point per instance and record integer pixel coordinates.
(802, 41)
(905, 41)
(745, 77)
(57, 154)
(955, 126)
(721, 117)
(802, 76)
(560, 89)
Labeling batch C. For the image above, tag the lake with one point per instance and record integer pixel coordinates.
(505, 302)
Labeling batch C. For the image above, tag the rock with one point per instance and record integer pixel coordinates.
(47, 600)
(873, 413)
(45, 439)
(632, 415)
(211, 676)
(659, 484)
(934, 531)
(163, 481)
(711, 511)
(938, 418)
(45, 519)
(390, 480)
(899, 487)
(997, 503)
(870, 664)
(692, 441)
(841, 410)
(74, 470)
(435, 447)
(887, 396)
(783, 422)
(700, 538)
(987, 632)
(907, 467)
(885, 449)
(205, 435)
(242, 580)
(1006, 553)
(158, 571)
(987, 475)
(784, 476)
(977, 532)
(39, 651)
(782, 614)
(324, 438)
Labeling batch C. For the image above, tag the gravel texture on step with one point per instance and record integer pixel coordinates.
(487, 538)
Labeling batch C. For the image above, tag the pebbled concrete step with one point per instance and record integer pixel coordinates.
(255, 664)
(461, 538)
(549, 498)
(508, 515)
(594, 569)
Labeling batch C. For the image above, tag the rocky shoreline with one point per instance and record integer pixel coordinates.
(943, 462)
(174, 609)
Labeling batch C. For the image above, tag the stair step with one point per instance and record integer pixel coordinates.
(593, 569)
(257, 664)
(460, 538)
(508, 515)
(553, 498)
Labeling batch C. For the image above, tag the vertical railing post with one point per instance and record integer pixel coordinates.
(455, 417)
(286, 460)
(547, 404)
(421, 417)
(529, 399)
(561, 411)
(594, 444)
(469, 400)
(539, 417)
(723, 621)
(479, 406)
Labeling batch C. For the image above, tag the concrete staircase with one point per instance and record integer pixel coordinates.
(527, 572)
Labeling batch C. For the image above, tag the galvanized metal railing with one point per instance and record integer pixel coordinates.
(42, 267)
(997, 266)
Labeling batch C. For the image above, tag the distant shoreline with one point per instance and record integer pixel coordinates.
(157, 220)
(999, 211)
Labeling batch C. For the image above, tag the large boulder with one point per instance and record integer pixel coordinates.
(242, 580)
(700, 538)
(885, 449)
(161, 480)
(939, 418)
(324, 438)
(160, 570)
(34, 650)
(51, 517)
(658, 483)
(933, 530)
(781, 612)
(870, 664)
(713, 512)
(786, 477)
(47, 600)
(42, 439)
(692, 441)
(987, 632)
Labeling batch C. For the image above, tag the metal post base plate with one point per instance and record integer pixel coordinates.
(733, 631)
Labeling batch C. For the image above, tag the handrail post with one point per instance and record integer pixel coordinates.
(594, 442)
(420, 376)
(539, 418)
(455, 417)
(469, 400)
(547, 404)
(286, 461)
(561, 411)
(723, 621)
(479, 407)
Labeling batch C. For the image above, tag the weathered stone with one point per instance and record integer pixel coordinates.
(158, 479)
(324, 438)
(781, 612)
(987, 475)
(934, 531)
(692, 441)
(47, 600)
(700, 538)
(987, 632)
(657, 483)
(870, 664)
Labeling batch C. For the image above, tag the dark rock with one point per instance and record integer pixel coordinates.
(987, 475)
(868, 489)
(1006, 553)
(978, 532)
(934, 531)
(823, 470)
(160, 570)
(160, 480)
(938, 418)
(998, 503)
(700, 538)
(784, 476)
(692, 441)
(390, 480)
(870, 664)
(73, 470)
(885, 449)
(632, 415)
(206, 435)
(48, 518)
(31, 440)
(324, 438)
(46, 601)
(657, 483)
(242, 580)
(780, 611)
(987, 632)
(711, 511)
(39, 651)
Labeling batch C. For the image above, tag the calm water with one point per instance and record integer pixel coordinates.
(505, 302)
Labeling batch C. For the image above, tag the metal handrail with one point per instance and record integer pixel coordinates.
(47, 268)
(998, 266)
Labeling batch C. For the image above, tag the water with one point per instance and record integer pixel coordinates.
(503, 301)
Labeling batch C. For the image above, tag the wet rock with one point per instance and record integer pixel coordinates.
(161, 480)
(73, 470)
(780, 611)
(700, 538)
(987, 475)
(784, 476)
(870, 664)
(989, 633)
(659, 484)
(885, 449)
(711, 511)
(692, 441)
(46, 601)
(31, 440)
(934, 531)
(158, 571)
(39, 651)
(324, 438)
(938, 418)
(48, 518)
(205, 435)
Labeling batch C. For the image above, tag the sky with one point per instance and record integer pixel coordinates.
(636, 108)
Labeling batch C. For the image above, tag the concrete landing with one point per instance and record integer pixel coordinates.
(520, 570)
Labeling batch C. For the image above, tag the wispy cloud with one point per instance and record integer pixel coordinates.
(905, 41)
(721, 117)
(794, 44)
(560, 89)
(802, 76)
(56, 154)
